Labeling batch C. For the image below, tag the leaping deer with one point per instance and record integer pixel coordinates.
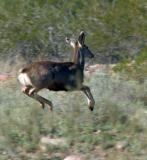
(58, 76)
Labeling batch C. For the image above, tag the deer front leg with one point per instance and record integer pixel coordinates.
(90, 99)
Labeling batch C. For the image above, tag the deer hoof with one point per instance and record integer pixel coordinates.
(91, 108)
(42, 105)
(50, 108)
(91, 105)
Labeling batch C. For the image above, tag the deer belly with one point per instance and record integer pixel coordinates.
(24, 79)
(57, 87)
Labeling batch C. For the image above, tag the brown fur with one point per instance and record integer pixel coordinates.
(58, 76)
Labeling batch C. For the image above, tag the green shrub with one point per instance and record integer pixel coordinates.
(117, 116)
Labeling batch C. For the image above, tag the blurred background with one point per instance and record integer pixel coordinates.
(116, 32)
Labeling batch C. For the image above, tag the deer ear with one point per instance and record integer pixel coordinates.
(81, 38)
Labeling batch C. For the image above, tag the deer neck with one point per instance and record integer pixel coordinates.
(75, 56)
(80, 59)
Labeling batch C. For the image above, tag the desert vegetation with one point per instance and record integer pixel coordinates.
(116, 129)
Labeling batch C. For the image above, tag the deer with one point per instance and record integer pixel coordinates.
(58, 76)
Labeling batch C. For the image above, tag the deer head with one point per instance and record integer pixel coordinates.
(79, 45)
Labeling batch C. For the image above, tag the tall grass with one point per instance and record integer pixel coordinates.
(119, 114)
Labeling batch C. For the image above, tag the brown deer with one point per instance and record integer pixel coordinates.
(58, 76)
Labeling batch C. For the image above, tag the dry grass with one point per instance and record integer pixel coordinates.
(119, 115)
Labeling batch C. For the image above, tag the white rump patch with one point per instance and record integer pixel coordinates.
(24, 79)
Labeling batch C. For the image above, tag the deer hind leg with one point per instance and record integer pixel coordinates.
(42, 100)
(90, 99)
(32, 92)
